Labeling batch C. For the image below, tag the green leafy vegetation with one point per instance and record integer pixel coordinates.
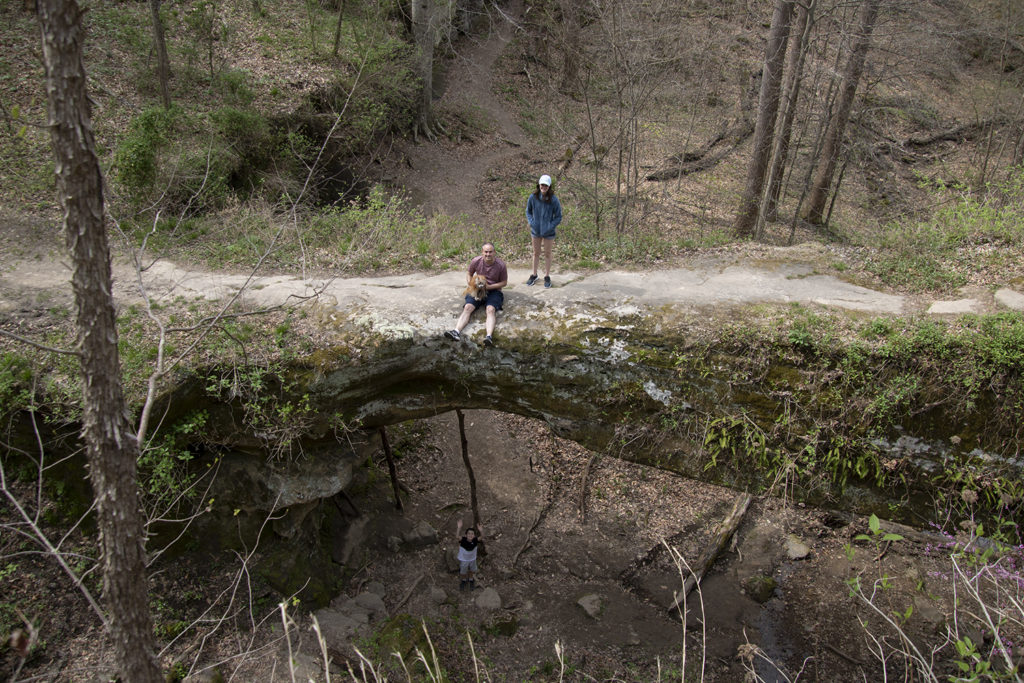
(968, 231)
(850, 387)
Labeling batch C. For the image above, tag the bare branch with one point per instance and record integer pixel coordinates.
(35, 344)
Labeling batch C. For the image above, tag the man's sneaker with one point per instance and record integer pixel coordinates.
(462, 585)
(453, 334)
(472, 584)
(533, 278)
(488, 341)
(547, 281)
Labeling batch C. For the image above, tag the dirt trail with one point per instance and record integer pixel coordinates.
(446, 176)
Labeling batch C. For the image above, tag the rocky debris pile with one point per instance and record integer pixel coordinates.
(348, 619)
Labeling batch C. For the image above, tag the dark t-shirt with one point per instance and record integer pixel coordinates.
(468, 544)
(496, 272)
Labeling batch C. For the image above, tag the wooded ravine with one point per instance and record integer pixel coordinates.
(218, 486)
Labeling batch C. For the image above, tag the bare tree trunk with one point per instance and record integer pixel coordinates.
(598, 158)
(469, 469)
(392, 469)
(791, 95)
(767, 111)
(110, 444)
(570, 26)
(163, 64)
(337, 29)
(833, 138)
(424, 33)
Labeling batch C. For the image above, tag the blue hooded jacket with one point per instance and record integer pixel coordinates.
(543, 216)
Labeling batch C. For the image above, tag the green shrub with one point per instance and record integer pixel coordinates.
(193, 162)
(381, 98)
(163, 461)
(249, 142)
(135, 158)
(234, 86)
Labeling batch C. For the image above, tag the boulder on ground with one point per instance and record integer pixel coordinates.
(337, 630)
(438, 595)
(592, 605)
(421, 536)
(371, 602)
(760, 588)
(796, 549)
(488, 600)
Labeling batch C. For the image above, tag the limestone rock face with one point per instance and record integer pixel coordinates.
(256, 483)
(599, 374)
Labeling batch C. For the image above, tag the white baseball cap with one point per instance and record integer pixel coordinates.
(545, 180)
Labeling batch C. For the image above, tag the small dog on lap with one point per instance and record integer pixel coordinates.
(477, 287)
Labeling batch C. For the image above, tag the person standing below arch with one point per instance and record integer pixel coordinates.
(468, 546)
(543, 213)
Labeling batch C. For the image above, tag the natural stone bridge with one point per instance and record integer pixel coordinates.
(623, 363)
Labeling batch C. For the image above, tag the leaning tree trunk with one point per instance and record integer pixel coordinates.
(424, 32)
(110, 444)
(767, 111)
(163, 64)
(791, 95)
(337, 28)
(469, 468)
(570, 44)
(818, 197)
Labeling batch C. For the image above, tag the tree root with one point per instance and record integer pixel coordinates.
(582, 506)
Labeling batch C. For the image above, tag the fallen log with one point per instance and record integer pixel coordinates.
(962, 133)
(711, 553)
(701, 160)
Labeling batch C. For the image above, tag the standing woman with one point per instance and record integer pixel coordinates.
(543, 213)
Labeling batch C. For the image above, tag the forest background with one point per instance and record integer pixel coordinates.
(233, 134)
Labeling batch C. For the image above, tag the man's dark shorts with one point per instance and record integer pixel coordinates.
(494, 298)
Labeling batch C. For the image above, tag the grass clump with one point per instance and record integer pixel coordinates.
(969, 230)
(378, 232)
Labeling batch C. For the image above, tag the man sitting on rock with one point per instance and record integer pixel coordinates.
(494, 270)
(468, 546)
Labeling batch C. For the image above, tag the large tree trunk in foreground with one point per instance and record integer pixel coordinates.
(110, 443)
(834, 136)
(767, 112)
